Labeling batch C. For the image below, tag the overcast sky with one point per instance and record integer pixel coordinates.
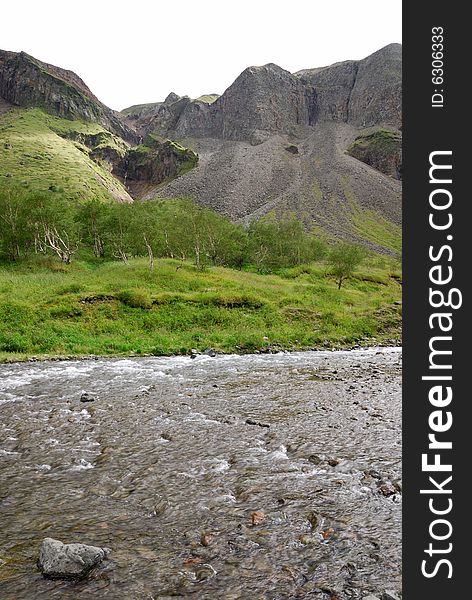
(140, 50)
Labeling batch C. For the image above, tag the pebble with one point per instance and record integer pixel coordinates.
(252, 422)
(389, 595)
(204, 572)
(86, 397)
(387, 489)
(257, 517)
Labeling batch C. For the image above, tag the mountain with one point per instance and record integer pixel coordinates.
(56, 136)
(324, 143)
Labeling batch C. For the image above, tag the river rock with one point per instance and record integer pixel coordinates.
(389, 595)
(252, 422)
(204, 572)
(86, 397)
(69, 561)
(375, 474)
(387, 489)
(210, 352)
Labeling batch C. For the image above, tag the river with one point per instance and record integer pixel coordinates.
(236, 477)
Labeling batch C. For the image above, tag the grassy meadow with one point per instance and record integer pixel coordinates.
(112, 308)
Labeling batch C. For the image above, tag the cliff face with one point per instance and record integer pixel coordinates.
(84, 148)
(333, 88)
(151, 163)
(262, 101)
(28, 82)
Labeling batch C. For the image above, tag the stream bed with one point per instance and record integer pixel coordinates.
(235, 477)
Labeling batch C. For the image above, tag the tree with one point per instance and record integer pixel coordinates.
(55, 225)
(278, 243)
(15, 227)
(92, 217)
(120, 231)
(148, 230)
(343, 259)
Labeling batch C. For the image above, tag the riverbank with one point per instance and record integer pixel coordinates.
(48, 310)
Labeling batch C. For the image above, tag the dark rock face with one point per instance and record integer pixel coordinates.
(28, 82)
(364, 93)
(69, 561)
(262, 100)
(377, 94)
(333, 86)
(169, 113)
(154, 161)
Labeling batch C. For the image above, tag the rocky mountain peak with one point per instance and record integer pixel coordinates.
(266, 100)
(172, 97)
(28, 82)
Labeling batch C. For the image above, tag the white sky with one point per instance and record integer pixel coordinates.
(136, 51)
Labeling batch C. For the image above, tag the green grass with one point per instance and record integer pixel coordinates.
(136, 109)
(375, 228)
(369, 224)
(207, 98)
(43, 152)
(113, 309)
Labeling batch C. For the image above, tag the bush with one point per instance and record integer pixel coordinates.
(135, 298)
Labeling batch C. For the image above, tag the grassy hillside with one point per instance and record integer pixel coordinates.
(123, 309)
(43, 152)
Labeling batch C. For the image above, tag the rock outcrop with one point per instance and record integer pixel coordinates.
(110, 142)
(153, 162)
(381, 149)
(324, 143)
(261, 102)
(28, 82)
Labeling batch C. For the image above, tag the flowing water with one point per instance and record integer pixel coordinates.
(235, 477)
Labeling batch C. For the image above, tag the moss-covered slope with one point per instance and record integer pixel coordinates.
(43, 152)
(83, 160)
(381, 149)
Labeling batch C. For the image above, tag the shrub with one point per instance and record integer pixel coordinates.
(135, 298)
